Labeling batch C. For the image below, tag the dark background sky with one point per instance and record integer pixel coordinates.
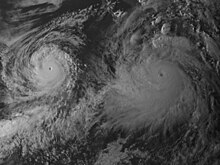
(17, 17)
(20, 16)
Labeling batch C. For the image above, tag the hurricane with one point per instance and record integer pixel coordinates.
(110, 83)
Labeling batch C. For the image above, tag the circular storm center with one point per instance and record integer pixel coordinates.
(165, 86)
(50, 72)
(161, 85)
(49, 66)
(165, 77)
(145, 93)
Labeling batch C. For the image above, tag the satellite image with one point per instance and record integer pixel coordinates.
(109, 82)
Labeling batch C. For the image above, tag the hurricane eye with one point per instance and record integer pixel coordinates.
(51, 67)
(161, 74)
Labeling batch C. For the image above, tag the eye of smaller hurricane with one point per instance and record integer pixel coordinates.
(50, 67)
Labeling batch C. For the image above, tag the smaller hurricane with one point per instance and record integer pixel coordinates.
(46, 76)
(50, 67)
